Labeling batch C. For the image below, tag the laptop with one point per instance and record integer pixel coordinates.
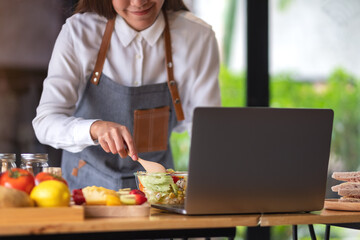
(257, 160)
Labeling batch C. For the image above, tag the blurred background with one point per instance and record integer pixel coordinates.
(28, 30)
(313, 62)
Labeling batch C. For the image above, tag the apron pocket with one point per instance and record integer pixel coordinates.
(151, 129)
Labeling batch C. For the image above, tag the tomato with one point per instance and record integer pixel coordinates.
(44, 176)
(175, 178)
(19, 179)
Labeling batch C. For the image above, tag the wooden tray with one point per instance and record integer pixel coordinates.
(38, 214)
(335, 204)
(92, 211)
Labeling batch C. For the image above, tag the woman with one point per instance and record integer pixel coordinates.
(123, 75)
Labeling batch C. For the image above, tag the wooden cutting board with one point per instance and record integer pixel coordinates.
(92, 211)
(335, 204)
(38, 214)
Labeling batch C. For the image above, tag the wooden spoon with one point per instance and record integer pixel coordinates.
(151, 167)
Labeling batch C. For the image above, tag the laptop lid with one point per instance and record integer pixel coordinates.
(257, 160)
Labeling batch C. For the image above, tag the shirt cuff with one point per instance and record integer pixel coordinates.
(82, 134)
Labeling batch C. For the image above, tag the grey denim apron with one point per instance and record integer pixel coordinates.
(110, 101)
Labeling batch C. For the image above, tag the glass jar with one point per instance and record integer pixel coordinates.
(7, 161)
(54, 171)
(34, 162)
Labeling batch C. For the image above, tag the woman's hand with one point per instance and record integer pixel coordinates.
(114, 137)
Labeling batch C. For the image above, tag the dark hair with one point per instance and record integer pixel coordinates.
(106, 9)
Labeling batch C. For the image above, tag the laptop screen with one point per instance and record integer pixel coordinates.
(247, 160)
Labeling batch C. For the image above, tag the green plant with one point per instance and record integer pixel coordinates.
(180, 147)
(283, 5)
(230, 21)
(232, 88)
(340, 92)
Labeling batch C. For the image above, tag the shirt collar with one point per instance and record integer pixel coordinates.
(127, 34)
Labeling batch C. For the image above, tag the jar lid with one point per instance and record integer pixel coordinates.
(38, 157)
(7, 157)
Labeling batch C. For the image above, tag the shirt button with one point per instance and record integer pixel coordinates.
(136, 83)
(138, 56)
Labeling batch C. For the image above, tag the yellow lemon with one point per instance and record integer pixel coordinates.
(51, 193)
(112, 200)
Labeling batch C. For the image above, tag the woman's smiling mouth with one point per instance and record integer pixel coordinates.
(141, 12)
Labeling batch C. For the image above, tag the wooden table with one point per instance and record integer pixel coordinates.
(160, 224)
(163, 222)
(321, 217)
(327, 217)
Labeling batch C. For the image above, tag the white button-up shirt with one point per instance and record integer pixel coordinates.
(133, 59)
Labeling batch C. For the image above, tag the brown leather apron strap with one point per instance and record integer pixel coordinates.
(102, 52)
(170, 72)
